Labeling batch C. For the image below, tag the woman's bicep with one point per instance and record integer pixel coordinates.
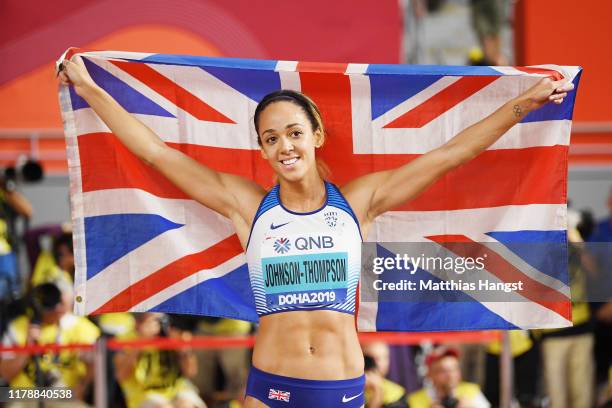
(382, 191)
(218, 191)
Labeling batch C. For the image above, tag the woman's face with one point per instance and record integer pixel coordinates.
(287, 140)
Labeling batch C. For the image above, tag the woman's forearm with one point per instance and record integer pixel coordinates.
(135, 135)
(475, 139)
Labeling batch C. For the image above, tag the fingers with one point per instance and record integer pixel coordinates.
(556, 96)
(560, 90)
(63, 78)
(76, 59)
(562, 85)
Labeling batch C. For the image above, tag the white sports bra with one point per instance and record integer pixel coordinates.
(304, 261)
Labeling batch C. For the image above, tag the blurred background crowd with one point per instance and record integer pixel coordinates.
(557, 368)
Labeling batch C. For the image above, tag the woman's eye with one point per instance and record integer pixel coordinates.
(296, 133)
(271, 140)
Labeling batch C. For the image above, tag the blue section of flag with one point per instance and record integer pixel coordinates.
(131, 100)
(420, 311)
(437, 316)
(189, 60)
(432, 70)
(388, 91)
(552, 111)
(109, 237)
(227, 296)
(546, 251)
(253, 83)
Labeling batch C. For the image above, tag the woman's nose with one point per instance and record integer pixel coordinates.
(286, 144)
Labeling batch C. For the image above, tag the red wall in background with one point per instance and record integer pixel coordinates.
(568, 32)
(34, 33)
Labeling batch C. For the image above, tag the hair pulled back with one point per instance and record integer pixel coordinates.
(297, 98)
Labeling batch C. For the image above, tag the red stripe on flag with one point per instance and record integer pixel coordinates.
(487, 181)
(172, 91)
(506, 272)
(107, 164)
(323, 67)
(556, 75)
(490, 180)
(441, 102)
(172, 273)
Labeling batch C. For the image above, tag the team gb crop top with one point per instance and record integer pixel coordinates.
(304, 261)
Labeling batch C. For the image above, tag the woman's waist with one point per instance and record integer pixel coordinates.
(315, 345)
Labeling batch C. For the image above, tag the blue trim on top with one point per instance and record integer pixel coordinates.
(327, 191)
(337, 200)
(311, 309)
(269, 201)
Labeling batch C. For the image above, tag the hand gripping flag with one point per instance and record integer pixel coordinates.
(142, 245)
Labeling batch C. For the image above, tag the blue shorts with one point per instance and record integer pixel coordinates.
(278, 391)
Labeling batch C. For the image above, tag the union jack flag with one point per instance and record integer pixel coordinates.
(142, 245)
(279, 395)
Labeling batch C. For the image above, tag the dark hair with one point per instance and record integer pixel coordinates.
(46, 296)
(65, 239)
(297, 98)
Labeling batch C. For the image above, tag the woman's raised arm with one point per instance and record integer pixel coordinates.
(226, 194)
(375, 193)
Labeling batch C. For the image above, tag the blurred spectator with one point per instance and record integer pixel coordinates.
(487, 19)
(568, 353)
(445, 387)
(526, 362)
(232, 364)
(50, 322)
(58, 265)
(600, 246)
(380, 391)
(151, 377)
(12, 203)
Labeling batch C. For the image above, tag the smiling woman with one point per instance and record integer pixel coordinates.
(303, 237)
(285, 142)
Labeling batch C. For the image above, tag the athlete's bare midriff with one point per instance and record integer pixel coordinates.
(314, 345)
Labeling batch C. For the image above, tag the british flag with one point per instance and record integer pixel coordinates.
(142, 245)
(279, 395)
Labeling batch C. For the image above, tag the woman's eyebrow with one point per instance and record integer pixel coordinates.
(286, 127)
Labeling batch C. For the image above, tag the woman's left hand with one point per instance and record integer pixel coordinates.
(547, 90)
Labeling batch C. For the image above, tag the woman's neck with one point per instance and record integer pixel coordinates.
(305, 195)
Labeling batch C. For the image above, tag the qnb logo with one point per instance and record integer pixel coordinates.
(320, 242)
(282, 245)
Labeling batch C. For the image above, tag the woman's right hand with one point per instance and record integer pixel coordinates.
(73, 72)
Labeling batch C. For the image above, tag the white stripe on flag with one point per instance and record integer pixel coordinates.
(203, 228)
(413, 226)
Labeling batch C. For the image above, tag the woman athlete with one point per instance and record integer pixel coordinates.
(307, 351)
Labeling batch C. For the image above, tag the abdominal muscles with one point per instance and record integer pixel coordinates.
(315, 345)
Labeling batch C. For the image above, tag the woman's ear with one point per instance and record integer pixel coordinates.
(319, 138)
(263, 153)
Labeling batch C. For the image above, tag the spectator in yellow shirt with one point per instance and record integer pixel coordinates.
(444, 387)
(149, 375)
(380, 392)
(50, 323)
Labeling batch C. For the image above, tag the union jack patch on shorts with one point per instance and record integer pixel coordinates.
(279, 395)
